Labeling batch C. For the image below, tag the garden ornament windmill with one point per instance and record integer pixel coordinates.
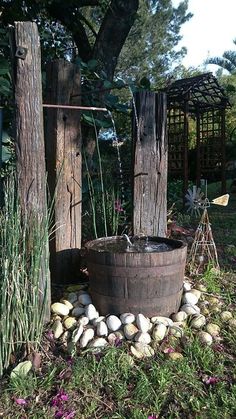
(203, 250)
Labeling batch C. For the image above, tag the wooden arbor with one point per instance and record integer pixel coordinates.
(201, 99)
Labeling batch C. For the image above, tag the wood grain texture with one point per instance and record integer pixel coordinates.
(150, 165)
(64, 160)
(30, 149)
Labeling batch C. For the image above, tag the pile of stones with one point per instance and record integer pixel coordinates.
(77, 325)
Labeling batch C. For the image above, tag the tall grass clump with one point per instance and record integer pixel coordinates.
(24, 266)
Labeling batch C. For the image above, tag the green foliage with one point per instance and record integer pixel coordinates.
(23, 259)
(150, 52)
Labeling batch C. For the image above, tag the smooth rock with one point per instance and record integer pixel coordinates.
(189, 298)
(160, 319)
(143, 337)
(67, 303)
(115, 337)
(102, 329)
(91, 312)
(70, 322)
(196, 292)
(179, 317)
(186, 286)
(83, 321)
(213, 329)
(159, 332)
(84, 299)
(77, 333)
(136, 353)
(55, 317)
(176, 331)
(198, 321)
(77, 311)
(57, 329)
(190, 309)
(98, 343)
(113, 323)
(205, 338)
(60, 309)
(226, 316)
(142, 322)
(130, 331)
(127, 318)
(232, 323)
(175, 356)
(147, 350)
(86, 337)
(98, 320)
(205, 311)
(72, 297)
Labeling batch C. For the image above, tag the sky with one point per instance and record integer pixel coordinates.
(209, 32)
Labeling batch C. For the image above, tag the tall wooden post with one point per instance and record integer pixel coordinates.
(30, 162)
(150, 164)
(223, 154)
(64, 161)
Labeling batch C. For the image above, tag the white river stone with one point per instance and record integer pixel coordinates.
(84, 299)
(102, 329)
(176, 331)
(91, 312)
(142, 322)
(127, 318)
(98, 343)
(86, 337)
(205, 338)
(159, 332)
(77, 333)
(160, 319)
(113, 323)
(179, 317)
(226, 316)
(130, 330)
(198, 321)
(57, 329)
(60, 309)
(190, 309)
(83, 321)
(70, 322)
(143, 337)
(196, 292)
(213, 329)
(98, 320)
(186, 286)
(77, 311)
(67, 303)
(147, 350)
(189, 298)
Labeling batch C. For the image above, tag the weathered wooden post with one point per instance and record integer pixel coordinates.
(30, 150)
(149, 164)
(64, 161)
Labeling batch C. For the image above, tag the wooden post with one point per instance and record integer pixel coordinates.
(150, 165)
(64, 161)
(186, 133)
(30, 151)
(198, 145)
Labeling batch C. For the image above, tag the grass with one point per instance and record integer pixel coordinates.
(114, 385)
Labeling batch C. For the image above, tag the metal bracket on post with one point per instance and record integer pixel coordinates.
(21, 52)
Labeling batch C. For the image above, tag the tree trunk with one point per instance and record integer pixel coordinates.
(150, 165)
(30, 151)
(64, 160)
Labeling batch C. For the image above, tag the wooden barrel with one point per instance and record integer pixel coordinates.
(150, 283)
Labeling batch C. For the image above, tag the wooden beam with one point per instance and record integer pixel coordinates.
(30, 151)
(64, 162)
(150, 164)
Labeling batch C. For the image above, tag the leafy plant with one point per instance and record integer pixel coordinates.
(23, 259)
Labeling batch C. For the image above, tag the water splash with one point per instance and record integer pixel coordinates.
(122, 188)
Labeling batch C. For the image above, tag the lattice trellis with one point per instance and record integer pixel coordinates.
(202, 99)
